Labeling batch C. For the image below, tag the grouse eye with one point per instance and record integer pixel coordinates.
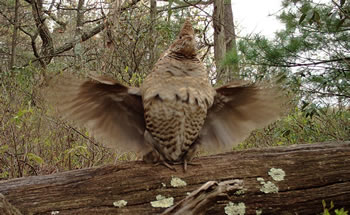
(180, 37)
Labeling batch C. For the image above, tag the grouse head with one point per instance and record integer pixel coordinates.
(185, 44)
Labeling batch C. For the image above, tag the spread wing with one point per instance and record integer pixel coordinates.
(238, 109)
(112, 112)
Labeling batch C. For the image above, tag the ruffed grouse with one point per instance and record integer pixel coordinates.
(175, 111)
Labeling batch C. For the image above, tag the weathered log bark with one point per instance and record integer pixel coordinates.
(313, 172)
(6, 208)
(205, 197)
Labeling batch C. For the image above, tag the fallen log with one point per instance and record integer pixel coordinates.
(6, 208)
(278, 180)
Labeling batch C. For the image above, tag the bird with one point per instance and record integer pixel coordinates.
(176, 110)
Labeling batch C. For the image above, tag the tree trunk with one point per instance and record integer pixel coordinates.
(224, 40)
(14, 36)
(231, 39)
(219, 33)
(279, 180)
(153, 12)
(78, 47)
(47, 48)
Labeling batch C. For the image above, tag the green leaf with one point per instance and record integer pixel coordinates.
(309, 16)
(302, 18)
(77, 148)
(126, 69)
(35, 158)
(305, 104)
(340, 212)
(4, 148)
(286, 133)
(340, 23)
(317, 18)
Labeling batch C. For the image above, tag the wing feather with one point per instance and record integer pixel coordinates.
(238, 109)
(112, 112)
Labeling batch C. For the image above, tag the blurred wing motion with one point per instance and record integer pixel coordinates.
(238, 109)
(112, 112)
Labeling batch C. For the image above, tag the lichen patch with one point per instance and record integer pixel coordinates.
(240, 192)
(162, 202)
(235, 209)
(177, 182)
(260, 179)
(120, 203)
(267, 187)
(277, 174)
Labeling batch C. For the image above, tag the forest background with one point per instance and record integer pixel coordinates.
(41, 39)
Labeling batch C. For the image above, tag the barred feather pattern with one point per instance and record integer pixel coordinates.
(176, 105)
(174, 125)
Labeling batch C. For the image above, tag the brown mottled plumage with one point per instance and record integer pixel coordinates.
(175, 111)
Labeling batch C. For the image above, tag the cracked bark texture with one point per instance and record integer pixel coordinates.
(314, 172)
